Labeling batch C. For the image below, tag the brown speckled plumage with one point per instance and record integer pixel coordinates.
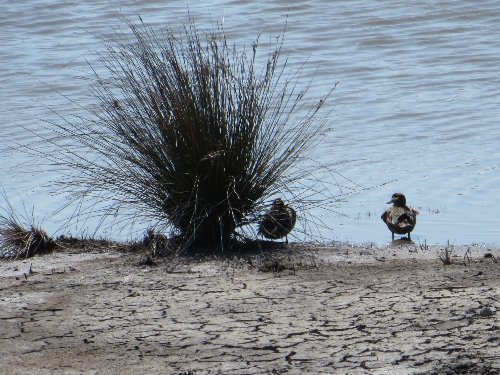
(400, 218)
(278, 222)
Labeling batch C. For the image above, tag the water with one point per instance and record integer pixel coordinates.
(416, 108)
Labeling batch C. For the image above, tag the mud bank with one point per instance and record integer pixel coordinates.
(318, 309)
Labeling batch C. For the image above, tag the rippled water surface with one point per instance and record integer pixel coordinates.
(416, 108)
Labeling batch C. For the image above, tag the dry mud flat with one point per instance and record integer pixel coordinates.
(331, 310)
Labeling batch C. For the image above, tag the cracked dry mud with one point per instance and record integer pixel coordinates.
(349, 311)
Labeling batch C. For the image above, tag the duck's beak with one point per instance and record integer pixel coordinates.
(391, 201)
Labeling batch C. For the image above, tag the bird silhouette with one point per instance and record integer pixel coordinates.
(278, 222)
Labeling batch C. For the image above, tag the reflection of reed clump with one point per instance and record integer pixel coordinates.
(192, 134)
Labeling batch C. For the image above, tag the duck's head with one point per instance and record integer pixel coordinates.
(278, 203)
(398, 199)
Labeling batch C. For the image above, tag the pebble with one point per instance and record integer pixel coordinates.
(486, 312)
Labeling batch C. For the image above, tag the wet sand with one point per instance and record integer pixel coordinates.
(305, 309)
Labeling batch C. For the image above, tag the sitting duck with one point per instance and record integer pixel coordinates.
(400, 218)
(278, 222)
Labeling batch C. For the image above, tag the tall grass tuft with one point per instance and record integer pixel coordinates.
(190, 131)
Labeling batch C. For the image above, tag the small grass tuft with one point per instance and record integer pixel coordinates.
(468, 255)
(18, 241)
(423, 245)
(445, 255)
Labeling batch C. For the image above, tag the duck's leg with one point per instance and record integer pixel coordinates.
(392, 236)
(409, 236)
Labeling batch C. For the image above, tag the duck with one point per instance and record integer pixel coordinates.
(400, 218)
(278, 222)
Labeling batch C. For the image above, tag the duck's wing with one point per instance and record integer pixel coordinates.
(398, 216)
(407, 218)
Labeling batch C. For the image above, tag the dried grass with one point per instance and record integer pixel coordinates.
(21, 241)
(445, 255)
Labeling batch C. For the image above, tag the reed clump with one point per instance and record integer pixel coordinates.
(190, 132)
(19, 241)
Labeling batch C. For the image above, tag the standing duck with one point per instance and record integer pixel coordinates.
(400, 218)
(278, 222)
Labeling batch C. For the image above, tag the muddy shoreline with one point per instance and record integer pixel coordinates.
(335, 309)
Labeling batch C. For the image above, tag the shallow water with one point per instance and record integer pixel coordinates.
(416, 108)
